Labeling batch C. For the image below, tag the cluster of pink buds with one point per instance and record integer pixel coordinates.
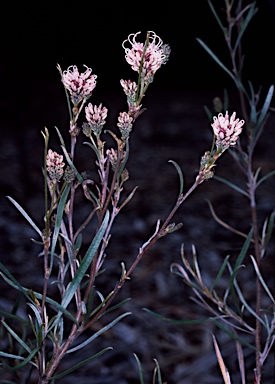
(125, 124)
(96, 118)
(55, 165)
(226, 130)
(149, 57)
(79, 85)
(130, 90)
(113, 155)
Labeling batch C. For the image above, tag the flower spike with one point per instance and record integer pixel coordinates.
(155, 54)
(79, 85)
(226, 130)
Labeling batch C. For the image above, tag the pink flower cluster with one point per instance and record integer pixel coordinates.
(79, 85)
(113, 155)
(125, 124)
(152, 58)
(55, 164)
(96, 117)
(130, 90)
(227, 130)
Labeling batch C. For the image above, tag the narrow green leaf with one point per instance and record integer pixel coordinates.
(60, 138)
(216, 16)
(74, 284)
(264, 109)
(12, 282)
(262, 280)
(11, 356)
(37, 315)
(265, 178)
(231, 185)
(98, 333)
(14, 317)
(246, 305)
(220, 273)
(252, 11)
(232, 335)
(212, 54)
(158, 372)
(117, 305)
(16, 337)
(270, 227)
(243, 250)
(25, 361)
(58, 220)
(24, 213)
(80, 364)
(94, 148)
(8, 277)
(180, 175)
(198, 321)
(139, 369)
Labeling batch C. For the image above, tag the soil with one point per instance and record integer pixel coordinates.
(174, 127)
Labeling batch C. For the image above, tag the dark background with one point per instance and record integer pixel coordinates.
(35, 36)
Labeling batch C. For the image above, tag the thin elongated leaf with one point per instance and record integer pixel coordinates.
(16, 337)
(139, 369)
(126, 201)
(74, 284)
(11, 356)
(232, 335)
(218, 61)
(117, 305)
(10, 279)
(265, 178)
(98, 333)
(231, 185)
(270, 227)
(27, 217)
(158, 372)
(80, 364)
(220, 273)
(24, 362)
(216, 16)
(173, 321)
(37, 313)
(94, 148)
(60, 138)
(244, 25)
(253, 110)
(246, 305)
(13, 283)
(262, 280)
(238, 264)
(58, 220)
(243, 250)
(180, 175)
(14, 317)
(264, 109)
